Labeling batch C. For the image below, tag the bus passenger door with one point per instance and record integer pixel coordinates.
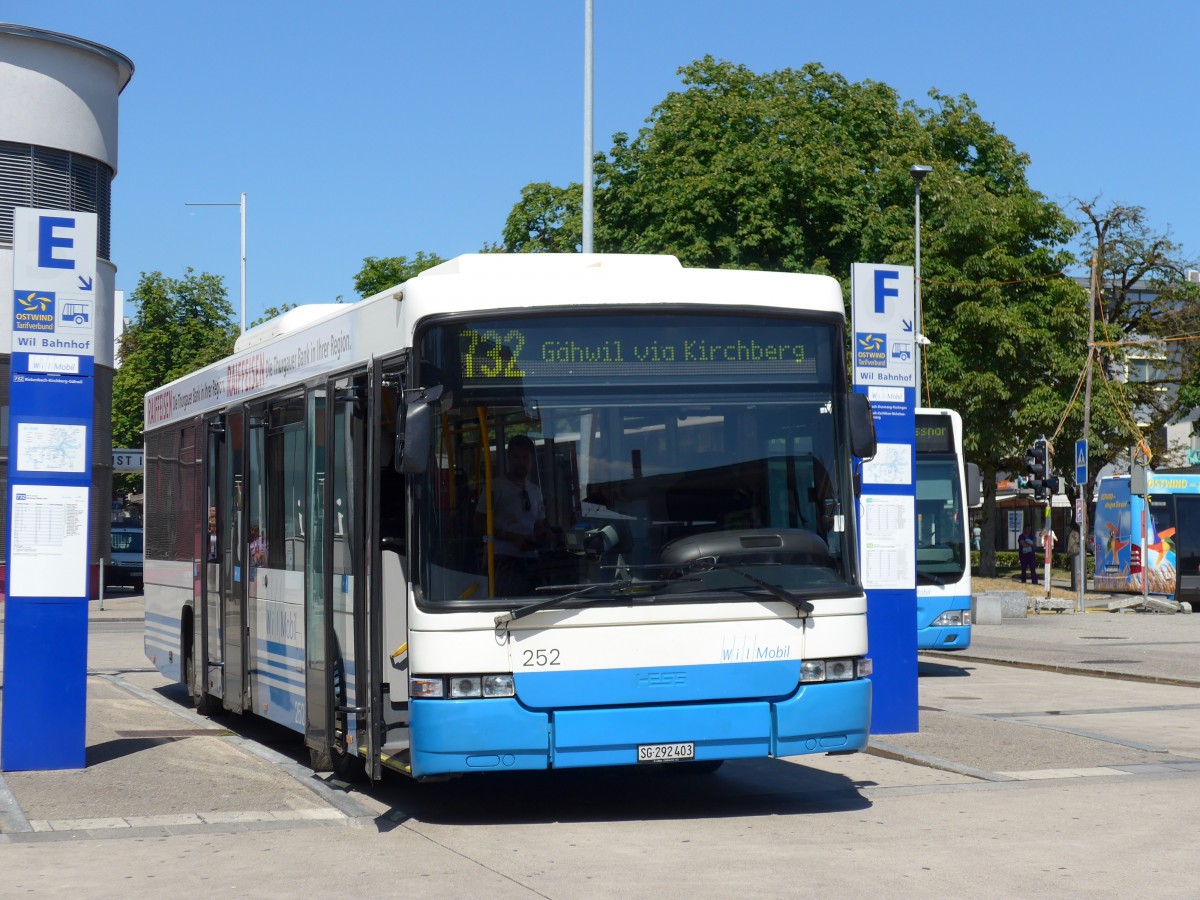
(337, 683)
(234, 572)
(388, 595)
(207, 622)
(353, 684)
(317, 677)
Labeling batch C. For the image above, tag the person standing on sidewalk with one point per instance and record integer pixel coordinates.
(1073, 555)
(1027, 553)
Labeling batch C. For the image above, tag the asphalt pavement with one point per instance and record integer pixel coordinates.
(155, 769)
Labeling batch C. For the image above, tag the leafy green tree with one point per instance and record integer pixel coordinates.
(547, 219)
(781, 171)
(804, 171)
(380, 273)
(1146, 372)
(1008, 329)
(181, 324)
(1146, 302)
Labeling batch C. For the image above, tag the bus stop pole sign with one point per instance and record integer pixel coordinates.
(52, 302)
(884, 343)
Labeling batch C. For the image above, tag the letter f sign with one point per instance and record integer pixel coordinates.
(882, 291)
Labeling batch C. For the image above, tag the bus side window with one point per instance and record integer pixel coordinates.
(391, 507)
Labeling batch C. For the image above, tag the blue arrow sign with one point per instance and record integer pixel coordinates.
(1081, 462)
(85, 284)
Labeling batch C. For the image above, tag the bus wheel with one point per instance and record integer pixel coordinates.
(203, 702)
(349, 767)
(344, 766)
(318, 760)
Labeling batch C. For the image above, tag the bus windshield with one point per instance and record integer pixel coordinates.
(681, 452)
(941, 542)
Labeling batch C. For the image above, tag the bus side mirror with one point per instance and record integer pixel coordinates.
(412, 447)
(414, 444)
(974, 486)
(862, 426)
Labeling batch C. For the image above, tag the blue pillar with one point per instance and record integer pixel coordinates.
(49, 490)
(884, 353)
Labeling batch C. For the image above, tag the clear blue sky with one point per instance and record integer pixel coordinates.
(382, 128)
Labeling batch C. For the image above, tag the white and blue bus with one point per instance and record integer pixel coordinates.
(315, 553)
(947, 488)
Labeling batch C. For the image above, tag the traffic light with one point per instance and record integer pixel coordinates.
(1037, 467)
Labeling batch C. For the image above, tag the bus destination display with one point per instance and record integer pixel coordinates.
(501, 352)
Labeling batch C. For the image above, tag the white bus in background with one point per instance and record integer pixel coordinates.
(947, 487)
(313, 552)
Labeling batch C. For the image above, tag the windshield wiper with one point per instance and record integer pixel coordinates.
(930, 578)
(710, 564)
(615, 589)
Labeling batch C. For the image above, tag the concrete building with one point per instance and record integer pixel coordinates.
(58, 150)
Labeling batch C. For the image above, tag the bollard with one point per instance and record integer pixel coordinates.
(985, 609)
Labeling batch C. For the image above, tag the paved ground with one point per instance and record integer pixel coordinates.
(1026, 777)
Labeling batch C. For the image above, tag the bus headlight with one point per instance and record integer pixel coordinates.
(498, 686)
(816, 670)
(461, 687)
(954, 617)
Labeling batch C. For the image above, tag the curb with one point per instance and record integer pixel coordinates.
(1066, 670)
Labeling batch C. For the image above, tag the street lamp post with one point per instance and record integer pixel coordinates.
(242, 204)
(588, 118)
(917, 173)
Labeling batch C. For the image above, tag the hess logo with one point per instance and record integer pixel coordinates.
(661, 679)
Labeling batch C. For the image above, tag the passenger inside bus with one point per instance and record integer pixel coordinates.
(518, 521)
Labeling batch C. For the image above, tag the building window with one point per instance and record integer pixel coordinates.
(43, 178)
(1146, 370)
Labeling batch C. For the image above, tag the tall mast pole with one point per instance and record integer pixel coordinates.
(1084, 492)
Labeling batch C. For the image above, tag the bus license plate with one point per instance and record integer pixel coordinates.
(660, 753)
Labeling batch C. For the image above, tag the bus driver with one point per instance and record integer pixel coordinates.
(518, 521)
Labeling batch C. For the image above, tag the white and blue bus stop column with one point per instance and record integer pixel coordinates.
(54, 307)
(884, 351)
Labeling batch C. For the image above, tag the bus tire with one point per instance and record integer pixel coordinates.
(203, 702)
(344, 766)
(319, 760)
(349, 767)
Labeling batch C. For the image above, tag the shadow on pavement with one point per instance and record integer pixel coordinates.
(107, 751)
(739, 788)
(941, 670)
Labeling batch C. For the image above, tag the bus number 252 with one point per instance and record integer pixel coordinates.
(540, 658)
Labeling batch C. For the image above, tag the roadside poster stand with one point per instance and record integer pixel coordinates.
(883, 315)
(50, 470)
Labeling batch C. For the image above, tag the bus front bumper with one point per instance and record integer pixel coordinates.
(944, 637)
(449, 736)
